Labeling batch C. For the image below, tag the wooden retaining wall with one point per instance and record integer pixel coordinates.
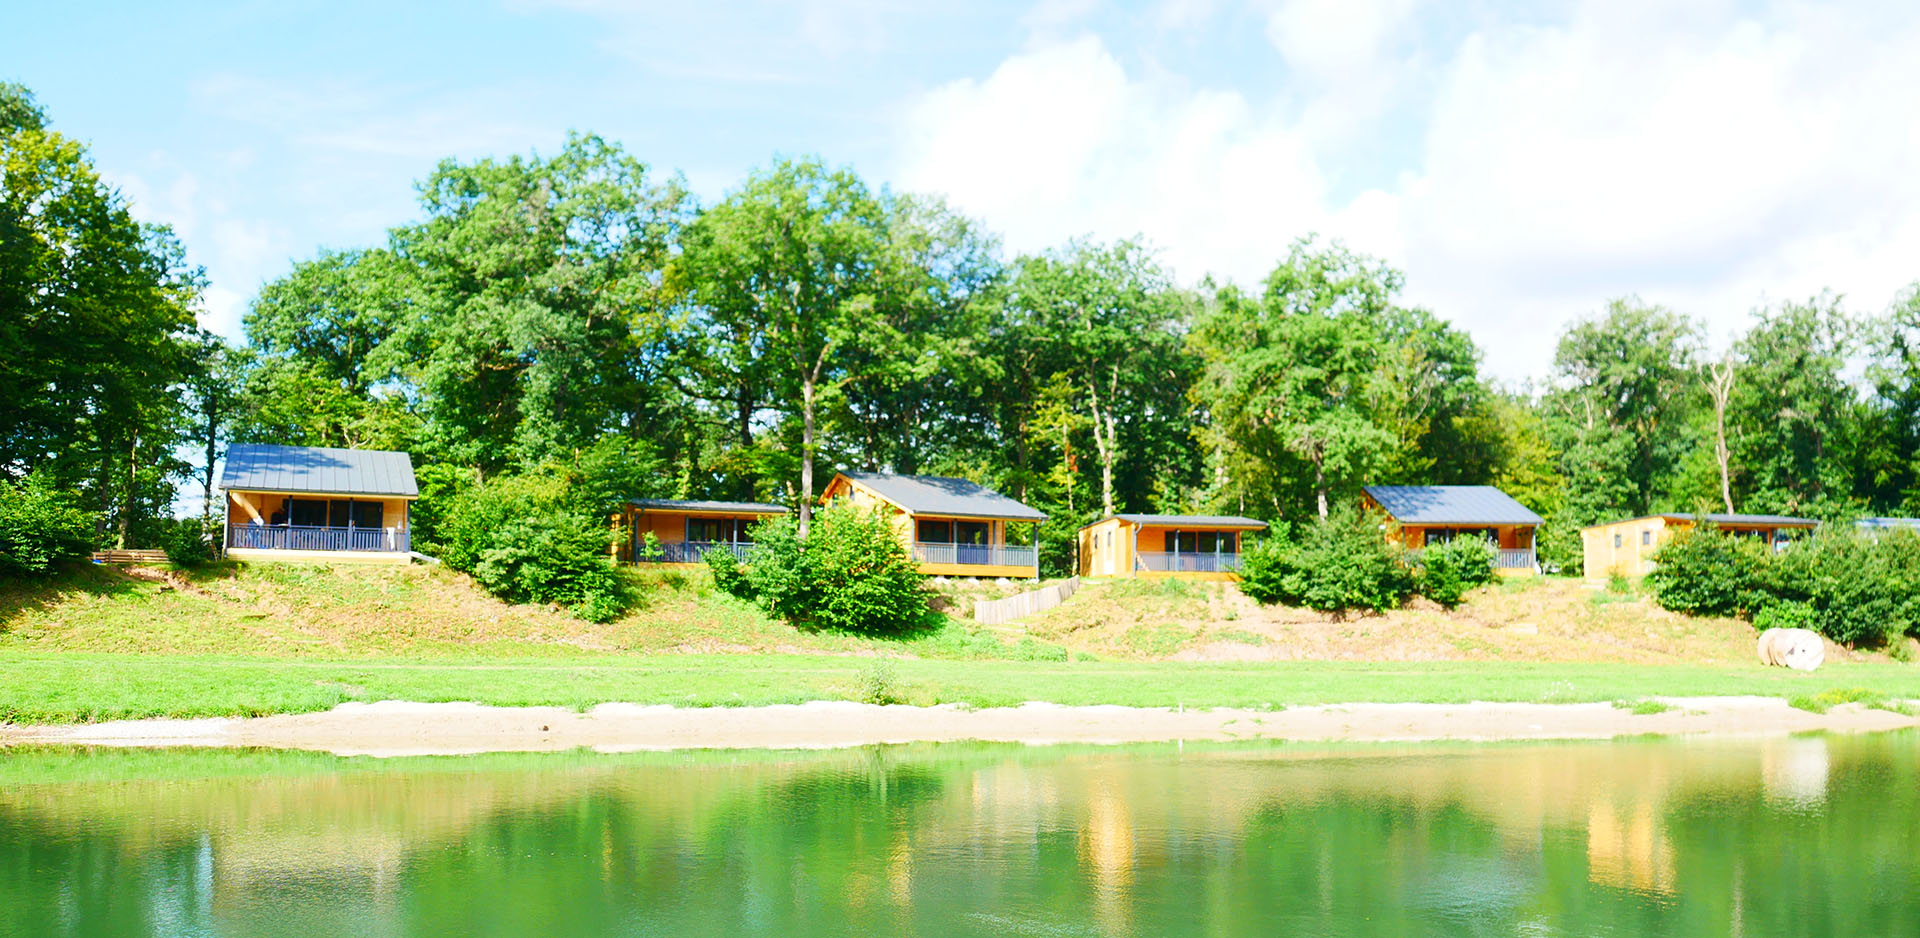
(130, 556)
(998, 611)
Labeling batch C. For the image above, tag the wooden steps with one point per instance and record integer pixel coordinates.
(129, 556)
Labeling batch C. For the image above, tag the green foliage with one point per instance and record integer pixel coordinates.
(187, 541)
(40, 528)
(1853, 587)
(1341, 564)
(729, 575)
(1704, 572)
(525, 539)
(850, 574)
(879, 685)
(1448, 571)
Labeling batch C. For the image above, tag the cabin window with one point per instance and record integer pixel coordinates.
(1616, 541)
(935, 532)
(1646, 538)
(709, 530)
(307, 512)
(972, 532)
(1443, 535)
(1200, 542)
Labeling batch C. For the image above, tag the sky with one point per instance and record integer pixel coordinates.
(1522, 164)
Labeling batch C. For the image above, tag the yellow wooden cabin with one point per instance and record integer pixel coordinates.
(318, 503)
(1435, 514)
(1187, 547)
(685, 530)
(1627, 547)
(953, 527)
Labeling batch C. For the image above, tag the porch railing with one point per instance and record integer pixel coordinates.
(1169, 562)
(984, 555)
(303, 537)
(1520, 559)
(692, 551)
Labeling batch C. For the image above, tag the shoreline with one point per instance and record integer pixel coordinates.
(399, 728)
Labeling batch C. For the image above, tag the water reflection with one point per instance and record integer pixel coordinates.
(1785, 836)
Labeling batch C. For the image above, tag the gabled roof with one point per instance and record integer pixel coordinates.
(940, 495)
(258, 467)
(1761, 521)
(1451, 504)
(1197, 521)
(741, 508)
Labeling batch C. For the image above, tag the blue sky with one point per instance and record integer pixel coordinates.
(1521, 162)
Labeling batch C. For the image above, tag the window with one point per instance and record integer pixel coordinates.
(972, 532)
(710, 530)
(368, 514)
(934, 532)
(307, 512)
(1200, 542)
(1646, 538)
(1616, 541)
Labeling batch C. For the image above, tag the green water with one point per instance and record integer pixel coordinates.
(1791, 836)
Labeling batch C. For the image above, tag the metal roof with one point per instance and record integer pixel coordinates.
(1887, 523)
(677, 504)
(940, 495)
(1778, 521)
(1451, 504)
(1198, 521)
(257, 467)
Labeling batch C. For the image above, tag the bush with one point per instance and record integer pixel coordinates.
(1705, 572)
(728, 574)
(1786, 615)
(187, 541)
(1339, 564)
(525, 540)
(40, 527)
(1449, 570)
(850, 574)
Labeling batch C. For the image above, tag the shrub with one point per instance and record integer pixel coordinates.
(851, 573)
(1339, 564)
(1449, 570)
(1703, 571)
(728, 574)
(525, 540)
(187, 541)
(1784, 614)
(40, 527)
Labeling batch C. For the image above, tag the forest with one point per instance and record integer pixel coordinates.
(580, 314)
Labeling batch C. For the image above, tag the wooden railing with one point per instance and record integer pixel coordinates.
(983, 555)
(691, 551)
(305, 537)
(1183, 562)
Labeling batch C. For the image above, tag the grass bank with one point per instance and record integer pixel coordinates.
(83, 687)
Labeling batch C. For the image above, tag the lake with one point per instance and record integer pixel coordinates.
(1808, 835)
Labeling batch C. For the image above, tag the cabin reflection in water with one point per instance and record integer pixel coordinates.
(1682, 837)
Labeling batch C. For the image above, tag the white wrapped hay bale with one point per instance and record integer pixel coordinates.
(1799, 649)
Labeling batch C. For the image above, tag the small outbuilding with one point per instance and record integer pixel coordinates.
(318, 503)
(1190, 547)
(685, 529)
(953, 527)
(1435, 514)
(1627, 547)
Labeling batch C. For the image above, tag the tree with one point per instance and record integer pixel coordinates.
(97, 317)
(1795, 412)
(792, 262)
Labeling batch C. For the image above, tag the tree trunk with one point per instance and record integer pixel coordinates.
(1105, 439)
(127, 497)
(806, 456)
(1320, 484)
(1721, 387)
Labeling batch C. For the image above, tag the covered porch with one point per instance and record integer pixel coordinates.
(962, 546)
(1513, 545)
(288, 525)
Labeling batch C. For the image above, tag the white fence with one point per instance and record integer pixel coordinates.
(998, 611)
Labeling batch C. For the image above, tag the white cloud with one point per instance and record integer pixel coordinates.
(1060, 141)
(1710, 158)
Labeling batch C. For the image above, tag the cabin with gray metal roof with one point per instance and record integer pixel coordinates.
(1435, 514)
(954, 527)
(318, 503)
(1627, 547)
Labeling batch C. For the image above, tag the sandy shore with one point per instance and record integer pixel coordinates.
(397, 728)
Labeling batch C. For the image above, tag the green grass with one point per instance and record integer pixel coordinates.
(83, 687)
(1871, 697)
(1644, 707)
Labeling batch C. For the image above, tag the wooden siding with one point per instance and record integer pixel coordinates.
(1112, 548)
(906, 527)
(1640, 538)
(245, 507)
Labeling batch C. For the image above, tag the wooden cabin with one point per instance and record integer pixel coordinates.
(1187, 547)
(953, 527)
(318, 503)
(1627, 547)
(1435, 514)
(685, 530)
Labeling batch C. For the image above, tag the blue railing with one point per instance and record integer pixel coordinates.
(983, 555)
(690, 551)
(1168, 562)
(304, 537)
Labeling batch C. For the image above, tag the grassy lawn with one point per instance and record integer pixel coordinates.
(79, 687)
